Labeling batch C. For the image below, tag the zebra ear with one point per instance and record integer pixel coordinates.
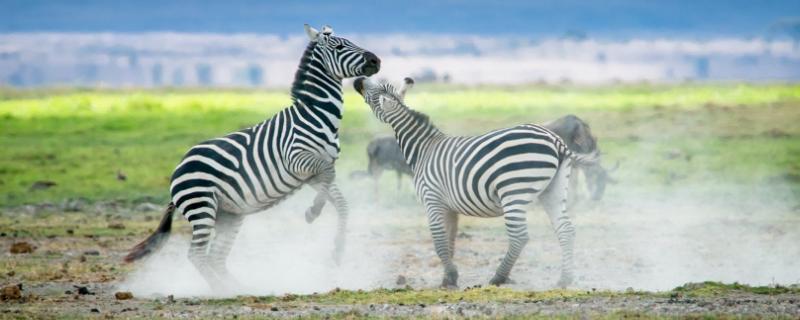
(311, 32)
(408, 83)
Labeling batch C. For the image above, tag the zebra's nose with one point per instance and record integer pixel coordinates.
(372, 59)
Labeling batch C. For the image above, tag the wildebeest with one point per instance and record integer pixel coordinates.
(384, 154)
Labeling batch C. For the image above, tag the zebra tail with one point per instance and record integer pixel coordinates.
(156, 240)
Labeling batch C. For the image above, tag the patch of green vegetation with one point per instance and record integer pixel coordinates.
(74, 224)
(712, 289)
(102, 145)
(413, 297)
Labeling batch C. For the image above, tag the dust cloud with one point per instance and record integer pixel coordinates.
(644, 239)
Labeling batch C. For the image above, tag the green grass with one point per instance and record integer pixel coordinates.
(81, 139)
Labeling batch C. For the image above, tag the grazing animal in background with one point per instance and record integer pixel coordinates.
(491, 175)
(577, 134)
(221, 180)
(384, 154)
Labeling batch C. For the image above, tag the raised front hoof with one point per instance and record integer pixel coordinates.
(564, 282)
(312, 214)
(499, 281)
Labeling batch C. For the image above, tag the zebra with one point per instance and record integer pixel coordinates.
(384, 153)
(221, 180)
(495, 174)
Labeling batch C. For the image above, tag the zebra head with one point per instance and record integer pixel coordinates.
(381, 96)
(340, 57)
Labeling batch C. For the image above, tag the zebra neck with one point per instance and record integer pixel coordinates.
(414, 132)
(315, 92)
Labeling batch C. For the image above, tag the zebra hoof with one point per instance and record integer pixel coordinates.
(564, 282)
(498, 281)
(312, 215)
(450, 280)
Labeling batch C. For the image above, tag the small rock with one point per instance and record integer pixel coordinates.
(94, 310)
(401, 280)
(121, 175)
(91, 253)
(74, 205)
(83, 290)
(147, 207)
(70, 231)
(123, 295)
(273, 309)
(21, 247)
(11, 273)
(116, 225)
(12, 292)
(42, 185)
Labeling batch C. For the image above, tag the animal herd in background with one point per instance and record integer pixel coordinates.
(500, 173)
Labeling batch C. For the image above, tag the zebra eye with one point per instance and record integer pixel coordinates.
(340, 47)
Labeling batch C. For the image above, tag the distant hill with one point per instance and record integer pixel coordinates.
(614, 19)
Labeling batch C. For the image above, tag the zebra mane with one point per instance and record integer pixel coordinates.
(384, 88)
(300, 75)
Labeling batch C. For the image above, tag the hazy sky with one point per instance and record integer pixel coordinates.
(601, 19)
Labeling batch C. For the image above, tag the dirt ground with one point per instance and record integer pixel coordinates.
(623, 248)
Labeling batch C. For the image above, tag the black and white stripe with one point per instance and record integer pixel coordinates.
(221, 180)
(491, 175)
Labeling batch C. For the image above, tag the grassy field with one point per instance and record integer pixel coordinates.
(718, 141)
(82, 140)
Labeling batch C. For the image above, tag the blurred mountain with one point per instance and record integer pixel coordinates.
(610, 19)
(158, 59)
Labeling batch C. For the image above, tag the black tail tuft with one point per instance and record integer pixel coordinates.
(156, 240)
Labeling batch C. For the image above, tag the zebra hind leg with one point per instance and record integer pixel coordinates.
(517, 230)
(202, 218)
(554, 200)
(227, 228)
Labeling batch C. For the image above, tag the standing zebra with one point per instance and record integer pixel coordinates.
(495, 174)
(221, 180)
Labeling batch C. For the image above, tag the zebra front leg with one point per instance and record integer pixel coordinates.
(227, 228)
(517, 230)
(322, 175)
(451, 224)
(554, 200)
(313, 212)
(441, 243)
(342, 211)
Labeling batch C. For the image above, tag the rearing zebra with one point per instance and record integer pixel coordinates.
(221, 180)
(495, 174)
